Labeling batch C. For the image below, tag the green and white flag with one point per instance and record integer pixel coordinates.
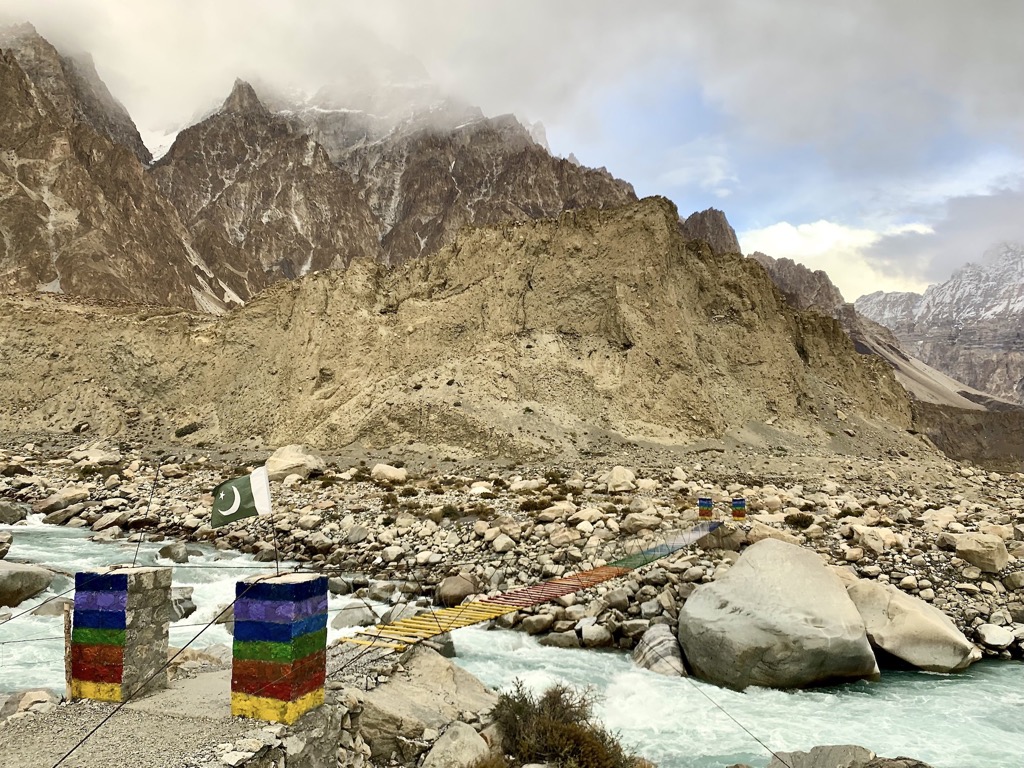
(241, 497)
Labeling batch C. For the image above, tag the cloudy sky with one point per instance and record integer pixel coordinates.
(880, 140)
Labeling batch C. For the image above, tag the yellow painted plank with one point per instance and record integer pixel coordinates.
(416, 631)
(274, 710)
(83, 689)
(391, 635)
(374, 642)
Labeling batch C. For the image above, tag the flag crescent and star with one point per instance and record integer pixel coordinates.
(241, 497)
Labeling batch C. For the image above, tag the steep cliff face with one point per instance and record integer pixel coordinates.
(73, 87)
(78, 215)
(425, 183)
(813, 290)
(541, 337)
(262, 197)
(713, 228)
(969, 327)
(894, 309)
(802, 287)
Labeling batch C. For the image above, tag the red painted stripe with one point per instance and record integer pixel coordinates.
(96, 673)
(97, 654)
(282, 690)
(254, 672)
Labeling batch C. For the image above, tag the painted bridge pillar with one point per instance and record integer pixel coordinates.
(279, 655)
(119, 633)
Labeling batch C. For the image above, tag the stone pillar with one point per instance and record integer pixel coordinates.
(119, 633)
(280, 647)
(739, 508)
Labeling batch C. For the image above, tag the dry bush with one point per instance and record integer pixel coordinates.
(558, 728)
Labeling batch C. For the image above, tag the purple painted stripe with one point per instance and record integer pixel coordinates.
(100, 601)
(279, 611)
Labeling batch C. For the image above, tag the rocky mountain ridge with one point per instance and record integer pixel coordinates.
(257, 197)
(79, 214)
(543, 337)
(261, 198)
(713, 228)
(814, 291)
(970, 326)
(73, 87)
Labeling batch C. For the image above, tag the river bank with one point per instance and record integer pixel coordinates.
(406, 530)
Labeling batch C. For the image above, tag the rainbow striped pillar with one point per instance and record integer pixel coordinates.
(739, 508)
(280, 647)
(704, 507)
(119, 634)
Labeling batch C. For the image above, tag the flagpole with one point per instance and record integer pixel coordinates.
(277, 553)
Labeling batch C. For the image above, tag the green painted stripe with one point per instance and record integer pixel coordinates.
(89, 636)
(281, 652)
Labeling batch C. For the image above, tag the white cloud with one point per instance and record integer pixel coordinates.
(703, 163)
(842, 251)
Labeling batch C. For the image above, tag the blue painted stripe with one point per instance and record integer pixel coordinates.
(267, 632)
(100, 601)
(279, 611)
(101, 582)
(302, 590)
(99, 620)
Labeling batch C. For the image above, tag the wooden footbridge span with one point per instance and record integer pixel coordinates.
(415, 629)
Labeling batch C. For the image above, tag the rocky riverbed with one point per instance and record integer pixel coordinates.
(944, 533)
(922, 529)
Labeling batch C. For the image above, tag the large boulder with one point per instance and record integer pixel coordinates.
(454, 589)
(777, 618)
(832, 756)
(354, 615)
(911, 629)
(294, 460)
(431, 692)
(19, 582)
(182, 605)
(459, 747)
(619, 479)
(62, 499)
(658, 651)
(983, 550)
(97, 454)
(11, 513)
(389, 474)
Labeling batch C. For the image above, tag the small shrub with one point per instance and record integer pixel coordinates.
(557, 727)
(389, 500)
(534, 504)
(450, 510)
(408, 492)
(188, 429)
(799, 520)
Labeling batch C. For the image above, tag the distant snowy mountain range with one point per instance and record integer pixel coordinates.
(970, 326)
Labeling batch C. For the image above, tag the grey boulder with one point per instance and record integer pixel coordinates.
(911, 629)
(777, 618)
(19, 582)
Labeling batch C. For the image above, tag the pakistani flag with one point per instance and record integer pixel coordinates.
(242, 497)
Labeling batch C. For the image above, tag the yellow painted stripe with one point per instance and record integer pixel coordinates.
(377, 643)
(83, 689)
(424, 624)
(416, 631)
(274, 710)
(402, 637)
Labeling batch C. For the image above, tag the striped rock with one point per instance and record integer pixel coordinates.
(658, 651)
